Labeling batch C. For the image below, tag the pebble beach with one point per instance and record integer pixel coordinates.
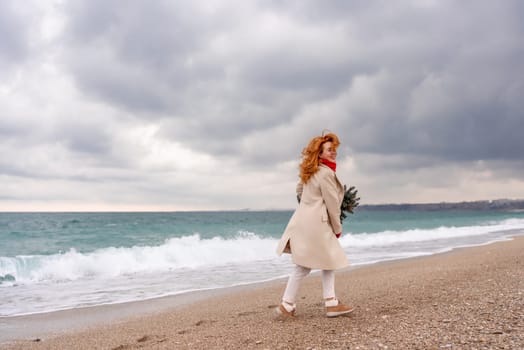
(469, 298)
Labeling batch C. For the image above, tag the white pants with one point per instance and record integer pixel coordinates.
(295, 280)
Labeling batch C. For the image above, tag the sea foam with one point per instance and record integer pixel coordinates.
(42, 283)
(176, 253)
(388, 238)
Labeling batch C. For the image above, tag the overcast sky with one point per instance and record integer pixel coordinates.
(189, 105)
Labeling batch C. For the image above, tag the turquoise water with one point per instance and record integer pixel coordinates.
(51, 233)
(53, 261)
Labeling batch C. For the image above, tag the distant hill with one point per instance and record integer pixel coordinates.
(498, 204)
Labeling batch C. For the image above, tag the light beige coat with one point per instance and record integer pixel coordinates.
(310, 233)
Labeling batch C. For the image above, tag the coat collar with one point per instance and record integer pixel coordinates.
(334, 173)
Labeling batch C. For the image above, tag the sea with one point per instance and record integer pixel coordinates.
(58, 261)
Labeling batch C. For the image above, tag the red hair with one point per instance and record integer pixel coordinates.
(310, 155)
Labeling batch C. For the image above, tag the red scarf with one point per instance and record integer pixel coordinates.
(330, 164)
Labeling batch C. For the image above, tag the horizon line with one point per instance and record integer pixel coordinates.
(248, 209)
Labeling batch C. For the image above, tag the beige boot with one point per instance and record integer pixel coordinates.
(335, 308)
(285, 309)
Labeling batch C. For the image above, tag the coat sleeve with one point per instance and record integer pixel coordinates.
(299, 190)
(328, 188)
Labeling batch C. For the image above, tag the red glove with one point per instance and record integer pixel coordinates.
(338, 234)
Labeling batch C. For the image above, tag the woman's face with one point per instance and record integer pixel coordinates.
(329, 152)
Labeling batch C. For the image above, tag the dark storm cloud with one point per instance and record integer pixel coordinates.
(447, 91)
(145, 103)
(168, 66)
(446, 77)
(469, 110)
(135, 54)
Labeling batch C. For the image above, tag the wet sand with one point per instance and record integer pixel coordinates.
(470, 298)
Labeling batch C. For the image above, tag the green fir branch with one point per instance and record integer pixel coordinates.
(349, 203)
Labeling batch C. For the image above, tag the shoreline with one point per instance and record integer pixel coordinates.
(52, 323)
(60, 327)
(186, 295)
(37, 325)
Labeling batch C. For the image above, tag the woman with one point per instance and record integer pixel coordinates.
(311, 236)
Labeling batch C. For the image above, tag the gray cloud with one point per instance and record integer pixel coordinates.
(139, 56)
(129, 90)
(14, 43)
(206, 68)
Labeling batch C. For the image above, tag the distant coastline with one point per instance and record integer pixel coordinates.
(498, 204)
